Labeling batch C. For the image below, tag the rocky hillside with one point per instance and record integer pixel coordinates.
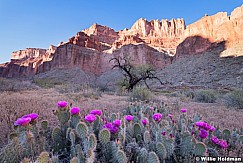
(162, 44)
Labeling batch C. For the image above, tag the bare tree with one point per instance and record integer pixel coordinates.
(134, 74)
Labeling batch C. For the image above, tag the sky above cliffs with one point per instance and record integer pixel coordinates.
(37, 24)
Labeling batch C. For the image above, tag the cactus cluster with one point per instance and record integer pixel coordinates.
(141, 133)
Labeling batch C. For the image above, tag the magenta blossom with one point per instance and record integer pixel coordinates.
(96, 112)
(90, 118)
(157, 117)
(129, 118)
(212, 129)
(215, 140)
(32, 116)
(112, 128)
(144, 121)
(117, 122)
(223, 144)
(206, 126)
(170, 115)
(183, 110)
(22, 121)
(62, 104)
(203, 134)
(171, 135)
(75, 111)
(163, 133)
(199, 124)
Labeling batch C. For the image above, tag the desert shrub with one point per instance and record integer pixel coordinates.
(206, 96)
(121, 87)
(141, 133)
(15, 85)
(234, 99)
(47, 83)
(140, 94)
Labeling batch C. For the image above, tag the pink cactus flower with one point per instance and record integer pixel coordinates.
(203, 134)
(223, 144)
(170, 115)
(129, 118)
(62, 104)
(215, 140)
(96, 112)
(112, 128)
(183, 110)
(32, 116)
(199, 124)
(171, 136)
(212, 129)
(22, 121)
(90, 118)
(117, 122)
(157, 117)
(74, 111)
(163, 133)
(144, 122)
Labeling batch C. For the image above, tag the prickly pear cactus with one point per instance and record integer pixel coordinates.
(43, 158)
(82, 130)
(44, 124)
(75, 119)
(57, 139)
(200, 149)
(137, 130)
(80, 153)
(104, 136)
(121, 157)
(12, 150)
(161, 151)
(143, 156)
(146, 137)
(63, 116)
(226, 134)
(153, 158)
(92, 142)
(90, 156)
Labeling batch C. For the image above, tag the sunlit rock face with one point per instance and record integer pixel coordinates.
(153, 42)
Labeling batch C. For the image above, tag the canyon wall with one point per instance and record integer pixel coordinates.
(152, 42)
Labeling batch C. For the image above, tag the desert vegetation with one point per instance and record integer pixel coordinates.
(143, 132)
(140, 126)
(132, 123)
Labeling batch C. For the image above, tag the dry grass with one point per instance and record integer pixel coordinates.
(213, 113)
(43, 102)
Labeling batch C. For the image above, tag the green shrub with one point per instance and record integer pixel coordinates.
(206, 96)
(234, 99)
(47, 83)
(140, 94)
(121, 87)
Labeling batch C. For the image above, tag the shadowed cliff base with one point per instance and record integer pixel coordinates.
(196, 45)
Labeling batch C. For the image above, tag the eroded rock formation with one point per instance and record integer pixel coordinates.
(152, 42)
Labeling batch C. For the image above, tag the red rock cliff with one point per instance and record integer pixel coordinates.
(150, 42)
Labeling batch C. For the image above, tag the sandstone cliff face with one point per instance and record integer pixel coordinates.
(95, 62)
(216, 28)
(152, 42)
